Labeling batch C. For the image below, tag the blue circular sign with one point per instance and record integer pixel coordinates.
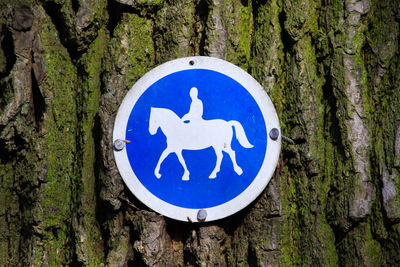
(196, 138)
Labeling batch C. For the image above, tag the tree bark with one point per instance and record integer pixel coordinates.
(331, 68)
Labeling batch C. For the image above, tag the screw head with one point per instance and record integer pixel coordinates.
(119, 145)
(274, 133)
(201, 215)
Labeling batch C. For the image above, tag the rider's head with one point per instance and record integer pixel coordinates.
(193, 92)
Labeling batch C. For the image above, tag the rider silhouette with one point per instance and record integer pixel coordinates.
(196, 108)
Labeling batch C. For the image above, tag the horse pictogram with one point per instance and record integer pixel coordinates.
(196, 135)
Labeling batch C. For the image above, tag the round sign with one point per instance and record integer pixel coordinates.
(196, 139)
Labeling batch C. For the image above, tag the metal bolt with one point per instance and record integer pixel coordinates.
(201, 215)
(119, 145)
(274, 133)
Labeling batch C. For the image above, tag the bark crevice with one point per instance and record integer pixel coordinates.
(63, 23)
(7, 53)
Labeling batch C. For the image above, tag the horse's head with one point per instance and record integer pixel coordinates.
(153, 125)
(162, 118)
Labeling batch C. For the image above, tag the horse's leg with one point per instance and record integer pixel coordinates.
(185, 176)
(218, 152)
(164, 154)
(232, 155)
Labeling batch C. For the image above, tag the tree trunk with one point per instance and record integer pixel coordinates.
(331, 68)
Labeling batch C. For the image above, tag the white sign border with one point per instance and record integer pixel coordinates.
(267, 109)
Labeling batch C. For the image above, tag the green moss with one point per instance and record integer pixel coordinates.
(174, 31)
(150, 3)
(16, 2)
(10, 222)
(384, 97)
(370, 250)
(88, 236)
(55, 198)
(304, 198)
(383, 30)
(133, 47)
(237, 18)
(301, 18)
(267, 57)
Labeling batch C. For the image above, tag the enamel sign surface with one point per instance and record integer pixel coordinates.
(196, 139)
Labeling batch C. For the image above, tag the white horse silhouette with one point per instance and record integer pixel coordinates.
(195, 136)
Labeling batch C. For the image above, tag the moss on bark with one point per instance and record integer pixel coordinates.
(331, 68)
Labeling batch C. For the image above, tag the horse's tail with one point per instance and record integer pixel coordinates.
(240, 134)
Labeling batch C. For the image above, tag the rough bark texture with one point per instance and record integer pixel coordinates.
(332, 69)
